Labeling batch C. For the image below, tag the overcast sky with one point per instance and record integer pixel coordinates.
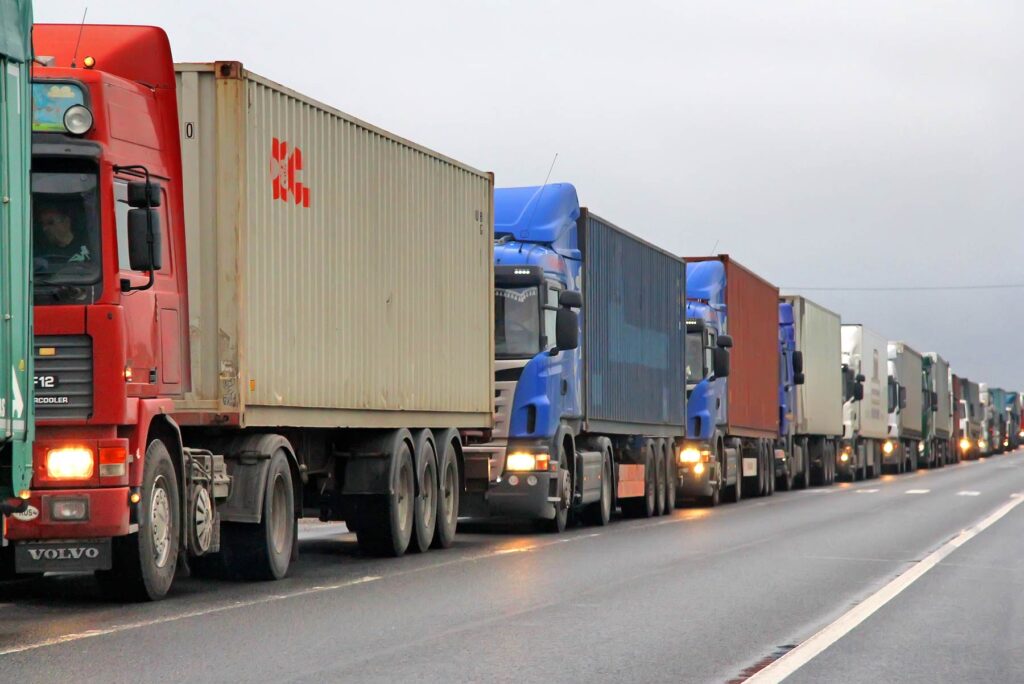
(857, 144)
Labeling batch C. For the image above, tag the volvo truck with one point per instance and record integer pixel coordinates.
(590, 389)
(230, 334)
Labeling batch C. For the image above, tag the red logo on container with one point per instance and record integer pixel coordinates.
(284, 165)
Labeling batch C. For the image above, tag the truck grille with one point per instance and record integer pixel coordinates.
(63, 377)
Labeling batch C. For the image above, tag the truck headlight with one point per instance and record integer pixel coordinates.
(521, 461)
(689, 455)
(920, 447)
(965, 444)
(888, 447)
(982, 444)
(78, 119)
(69, 463)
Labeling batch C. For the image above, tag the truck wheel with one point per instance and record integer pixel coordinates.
(660, 495)
(144, 562)
(600, 512)
(425, 518)
(263, 551)
(385, 527)
(558, 524)
(671, 479)
(447, 497)
(734, 494)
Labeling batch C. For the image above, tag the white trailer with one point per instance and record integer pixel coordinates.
(865, 422)
(906, 414)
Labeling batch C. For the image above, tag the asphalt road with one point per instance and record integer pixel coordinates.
(702, 595)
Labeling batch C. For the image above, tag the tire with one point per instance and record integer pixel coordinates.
(599, 513)
(386, 523)
(144, 562)
(425, 508)
(661, 474)
(734, 494)
(558, 524)
(449, 488)
(769, 454)
(263, 551)
(671, 479)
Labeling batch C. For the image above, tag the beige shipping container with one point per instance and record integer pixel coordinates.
(820, 398)
(339, 276)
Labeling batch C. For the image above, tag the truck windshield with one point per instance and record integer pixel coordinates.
(65, 236)
(694, 358)
(516, 322)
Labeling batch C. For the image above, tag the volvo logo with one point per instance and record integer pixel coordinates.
(70, 553)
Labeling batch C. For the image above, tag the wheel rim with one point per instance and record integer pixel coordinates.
(405, 493)
(279, 514)
(160, 522)
(429, 505)
(203, 520)
(448, 492)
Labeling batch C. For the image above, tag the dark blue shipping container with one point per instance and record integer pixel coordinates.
(634, 333)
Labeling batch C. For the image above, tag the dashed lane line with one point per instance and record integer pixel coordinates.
(917, 491)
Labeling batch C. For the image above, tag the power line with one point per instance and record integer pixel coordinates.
(913, 288)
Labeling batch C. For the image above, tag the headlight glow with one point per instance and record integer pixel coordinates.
(982, 444)
(520, 461)
(844, 457)
(920, 447)
(698, 469)
(965, 444)
(888, 447)
(689, 455)
(69, 463)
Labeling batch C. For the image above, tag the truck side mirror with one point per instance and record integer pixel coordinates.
(798, 363)
(858, 392)
(145, 251)
(725, 341)
(903, 397)
(798, 378)
(935, 401)
(860, 377)
(142, 194)
(567, 330)
(570, 299)
(721, 362)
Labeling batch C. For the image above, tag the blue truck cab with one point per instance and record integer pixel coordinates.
(704, 472)
(570, 436)
(537, 384)
(790, 376)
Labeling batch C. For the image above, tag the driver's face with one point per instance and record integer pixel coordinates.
(56, 227)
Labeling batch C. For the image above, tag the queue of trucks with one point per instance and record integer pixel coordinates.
(243, 317)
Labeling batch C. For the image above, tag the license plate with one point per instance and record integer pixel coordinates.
(749, 467)
(62, 556)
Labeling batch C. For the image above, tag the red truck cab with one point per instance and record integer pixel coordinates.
(111, 342)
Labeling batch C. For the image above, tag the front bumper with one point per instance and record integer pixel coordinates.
(108, 515)
(531, 495)
(690, 484)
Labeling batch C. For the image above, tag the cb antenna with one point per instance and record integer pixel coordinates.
(715, 247)
(546, 179)
(78, 42)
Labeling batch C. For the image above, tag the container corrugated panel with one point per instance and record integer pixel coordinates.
(634, 340)
(910, 374)
(940, 385)
(338, 275)
(820, 398)
(752, 320)
(866, 351)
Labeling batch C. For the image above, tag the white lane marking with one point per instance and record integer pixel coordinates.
(808, 650)
(78, 636)
(865, 491)
(917, 491)
(968, 492)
